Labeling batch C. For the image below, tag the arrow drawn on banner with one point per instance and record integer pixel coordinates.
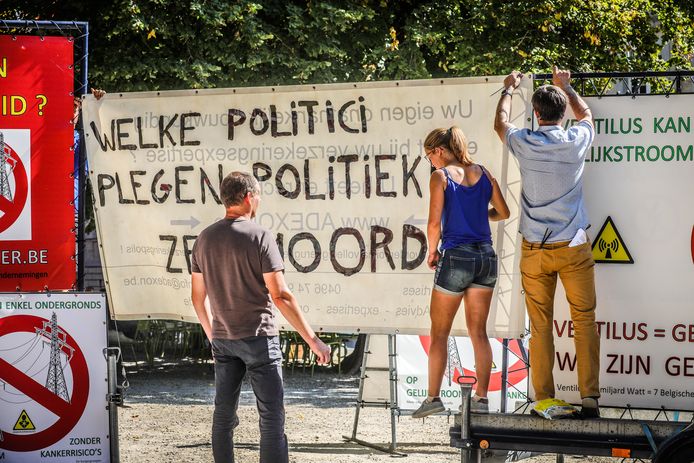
(412, 221)
(192, 222)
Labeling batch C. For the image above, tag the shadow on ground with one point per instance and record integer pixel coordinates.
(192, 383)
(341, 448)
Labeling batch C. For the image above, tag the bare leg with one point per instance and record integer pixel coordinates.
(442, 310)
(477, 303)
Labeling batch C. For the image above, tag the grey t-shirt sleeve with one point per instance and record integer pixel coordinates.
(270, 257)
(194, 265)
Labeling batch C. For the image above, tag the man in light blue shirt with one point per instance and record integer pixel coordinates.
(553, 223)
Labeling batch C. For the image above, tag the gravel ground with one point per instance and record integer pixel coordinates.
(168, 417)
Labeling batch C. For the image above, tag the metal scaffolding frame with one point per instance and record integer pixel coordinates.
(607, 84)
(391, 404)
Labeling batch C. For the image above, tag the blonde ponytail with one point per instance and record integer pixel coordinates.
(453, 139)
(457, 143)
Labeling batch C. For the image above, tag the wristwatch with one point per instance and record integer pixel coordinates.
(507, 92)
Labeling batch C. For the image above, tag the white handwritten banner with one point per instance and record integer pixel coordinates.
(344, 185)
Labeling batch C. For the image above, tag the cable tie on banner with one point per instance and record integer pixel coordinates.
(627, 409)
(39, 30)
(55, 24)
(664, 411)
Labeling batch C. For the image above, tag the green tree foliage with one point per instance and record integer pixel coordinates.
(169, 44)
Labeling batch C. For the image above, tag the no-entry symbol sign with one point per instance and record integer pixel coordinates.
(68, 412)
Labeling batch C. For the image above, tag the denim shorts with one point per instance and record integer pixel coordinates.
(466, 266)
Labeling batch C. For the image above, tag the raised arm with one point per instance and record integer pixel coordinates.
(503, 108)
(562, 79)
(289, 307)
(437, 183)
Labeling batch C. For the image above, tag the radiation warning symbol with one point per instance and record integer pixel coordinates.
(609, 247)
(24, 423)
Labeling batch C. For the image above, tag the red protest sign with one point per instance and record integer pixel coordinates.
(37, 242)
(68, 412)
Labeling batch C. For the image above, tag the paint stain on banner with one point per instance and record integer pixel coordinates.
(24, 423)
(609, 247)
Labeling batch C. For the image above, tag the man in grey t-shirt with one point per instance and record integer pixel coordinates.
(553, 223)
(237, 264)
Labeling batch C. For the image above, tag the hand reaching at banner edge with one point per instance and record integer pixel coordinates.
(98, 93)
(77, 103)
(513, 80)
(561, 78)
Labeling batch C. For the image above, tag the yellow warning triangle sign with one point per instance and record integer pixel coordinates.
(24, 423)
(609, 247)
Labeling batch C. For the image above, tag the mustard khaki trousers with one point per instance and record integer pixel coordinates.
(539, 269)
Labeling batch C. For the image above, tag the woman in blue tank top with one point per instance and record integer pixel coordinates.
(460, 250)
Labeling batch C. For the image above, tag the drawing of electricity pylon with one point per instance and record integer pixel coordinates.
(7, 165)
(55, 382)
(453, 360)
